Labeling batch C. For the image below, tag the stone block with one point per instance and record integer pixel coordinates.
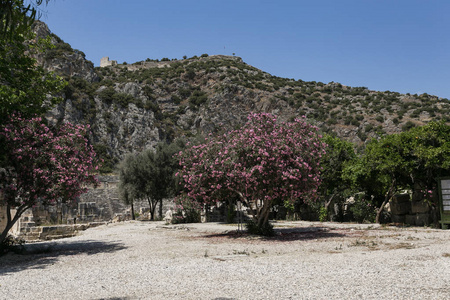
(401, 198)
(398, 218)
(401, 207)
(423, 219)
(418, 219)
(47, 229)
(27, 224)
(410, 220)
(419, 207)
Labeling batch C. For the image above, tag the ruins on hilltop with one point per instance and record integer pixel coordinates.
(105, 62)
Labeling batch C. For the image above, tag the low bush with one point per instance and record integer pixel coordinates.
(265, 230)
(363, 210)
(11, 243)
(186, 211)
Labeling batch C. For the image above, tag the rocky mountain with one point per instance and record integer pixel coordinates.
(131, 107)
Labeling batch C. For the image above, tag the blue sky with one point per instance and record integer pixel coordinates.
(395, 45)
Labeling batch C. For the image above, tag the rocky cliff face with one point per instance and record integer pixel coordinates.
(133, 107)
(63, 60)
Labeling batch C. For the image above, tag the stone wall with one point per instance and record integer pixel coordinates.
(105, 62)
(97, 205)
(35, 233)
(3, 217)
(413, 209)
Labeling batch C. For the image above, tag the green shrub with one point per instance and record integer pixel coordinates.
(355, 122)
(368, 128)
(363, 210)
(332, 121)
(197, 98)
(362, 136)
(175, 99)
(123, 99)
(103, 152)
(348, 120)
(107, 95)
(11, 243)
(323, 214)
(190, 74)
(265, 230)
(416, 113)
(184, 92)
(408, 125)
(153, 106)
(186, 211)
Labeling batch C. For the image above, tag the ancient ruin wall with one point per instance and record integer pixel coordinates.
(105, 62)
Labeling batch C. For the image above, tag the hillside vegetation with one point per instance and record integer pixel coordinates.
(134, 106)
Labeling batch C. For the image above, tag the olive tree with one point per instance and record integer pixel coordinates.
(149, 175)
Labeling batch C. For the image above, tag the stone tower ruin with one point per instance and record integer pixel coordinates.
(105, 62)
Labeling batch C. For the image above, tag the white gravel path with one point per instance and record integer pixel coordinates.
(147, 260)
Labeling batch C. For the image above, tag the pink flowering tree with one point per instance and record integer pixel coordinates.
(264, 163)
(46, 165)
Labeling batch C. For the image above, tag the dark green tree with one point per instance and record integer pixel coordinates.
(128, 189)
(430, 149)
(149, 175)
(402, 161)
(166, 184)
(386, 166)
(25, 87)
(334, 187)
(17, 17)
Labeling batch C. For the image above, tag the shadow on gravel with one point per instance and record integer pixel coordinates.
(40, 255)
(284, 234)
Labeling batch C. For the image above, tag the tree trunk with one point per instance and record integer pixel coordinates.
(389, 194)
(245, 202)
(263, 214)
(133, 217)
(152, 205)
(161, 208)
(327, 205)
(10, 222)
(152, 212)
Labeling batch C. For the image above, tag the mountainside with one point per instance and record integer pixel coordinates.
(134, 106)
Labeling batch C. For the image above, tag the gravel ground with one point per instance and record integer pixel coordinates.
(306, 260)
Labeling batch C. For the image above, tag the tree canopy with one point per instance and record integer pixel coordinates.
(46, 165)
(264, 163)
(402, 161)
(16, 17)
(339, 154)
(149, 175)
(25, 87)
